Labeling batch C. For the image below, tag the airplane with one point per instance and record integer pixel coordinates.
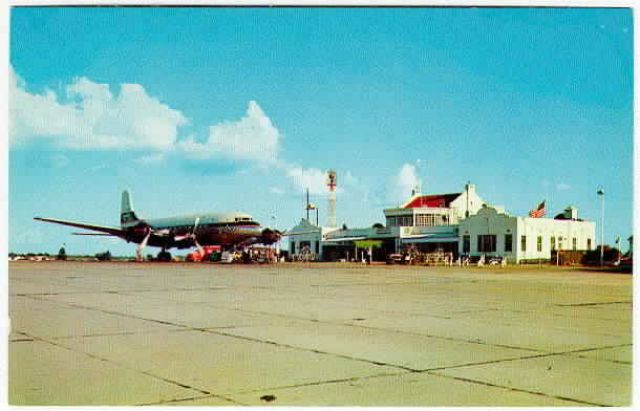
(228, 230)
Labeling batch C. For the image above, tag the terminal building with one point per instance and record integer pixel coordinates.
(495, 233)
(456, 224)
(427, 222)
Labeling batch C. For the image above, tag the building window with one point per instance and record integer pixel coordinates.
(559, 243)
(508, 243)
(400, 221)
(523, 243)
(293, 247)
(588, 244)
(430, 220)
(487, 243)
(466, 244)
(539, 246)
(317, 247)
(575, 243)
(553, 243)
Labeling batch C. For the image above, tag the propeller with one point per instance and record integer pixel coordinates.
(192, 236)
(142, 245)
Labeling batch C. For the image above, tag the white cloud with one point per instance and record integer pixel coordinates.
(151, 159)
(403, 183)
(563, 187)
(253, 138)
(302, 178)
(92, 117)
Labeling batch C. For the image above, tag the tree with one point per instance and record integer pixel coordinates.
(106, 256)
(369, 245)
(593, 256)
(62, 254)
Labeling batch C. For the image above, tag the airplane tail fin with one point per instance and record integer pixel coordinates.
(128, 217)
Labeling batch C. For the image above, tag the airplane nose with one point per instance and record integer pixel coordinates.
(270, 236)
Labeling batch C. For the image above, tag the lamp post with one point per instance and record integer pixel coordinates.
(601, 195)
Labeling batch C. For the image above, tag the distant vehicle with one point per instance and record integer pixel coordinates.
(228, 230)
(395, 259)
(497, 260)
(204, 254)
(226, 257)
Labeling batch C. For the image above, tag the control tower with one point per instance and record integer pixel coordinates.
(332, 180)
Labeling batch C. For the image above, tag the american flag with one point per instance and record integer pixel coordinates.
(540, 211)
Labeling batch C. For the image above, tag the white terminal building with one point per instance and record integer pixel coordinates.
(457, 223)
(494, 233)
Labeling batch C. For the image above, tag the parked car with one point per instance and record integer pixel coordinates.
(226, 257)
(395, 259)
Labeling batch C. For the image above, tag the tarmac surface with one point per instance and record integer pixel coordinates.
(320, 334)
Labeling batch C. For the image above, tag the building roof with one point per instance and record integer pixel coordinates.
(433, 200)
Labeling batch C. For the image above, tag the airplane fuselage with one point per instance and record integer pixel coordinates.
(225, 229)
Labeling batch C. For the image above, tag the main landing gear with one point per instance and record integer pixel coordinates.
(164, 256)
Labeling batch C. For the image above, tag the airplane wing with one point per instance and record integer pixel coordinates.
(103, 229)
(95, 234)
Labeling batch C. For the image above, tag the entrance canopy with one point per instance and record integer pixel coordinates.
(337, 240)
(430, 239)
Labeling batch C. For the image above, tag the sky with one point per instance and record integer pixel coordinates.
(223, 109)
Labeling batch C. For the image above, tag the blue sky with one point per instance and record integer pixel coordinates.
(241, 108)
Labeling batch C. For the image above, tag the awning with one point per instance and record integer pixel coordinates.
(292, 233)
(430, 239)
(335, 240)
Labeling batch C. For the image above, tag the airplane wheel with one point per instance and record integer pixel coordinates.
(164, 256)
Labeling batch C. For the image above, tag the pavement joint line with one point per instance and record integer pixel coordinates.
(591, 304)
(200, 397)
(67, 337)
(122, 292)
(97, 357)
(117, 313)
(288, 317)
(469, 380)
(526, 357)
(325, 382)
(315, 351)
(212, 331)
(369, 327)
(170, 381)
(417, 333)
(365, 327)
(390, 365)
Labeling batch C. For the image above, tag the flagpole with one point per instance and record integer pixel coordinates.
(601, 194)
(307, 206)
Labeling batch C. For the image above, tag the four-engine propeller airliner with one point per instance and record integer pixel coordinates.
(225, 229)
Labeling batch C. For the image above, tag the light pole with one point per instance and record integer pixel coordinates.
(277, 243)
(601, 194)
